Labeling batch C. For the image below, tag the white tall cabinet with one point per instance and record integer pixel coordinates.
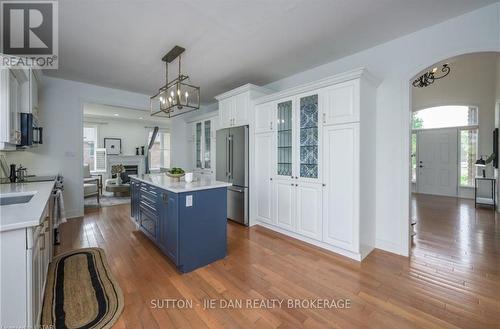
(318, 182)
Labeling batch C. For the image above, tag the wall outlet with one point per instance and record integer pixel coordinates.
(189, 200)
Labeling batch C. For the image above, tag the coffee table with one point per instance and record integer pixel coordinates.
(119, 189)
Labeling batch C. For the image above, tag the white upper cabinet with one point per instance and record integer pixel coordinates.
(34, 85)
(241, 109)
(340, 103)
(265, 118)
(235, 105)
(19, 90)
(226, 112)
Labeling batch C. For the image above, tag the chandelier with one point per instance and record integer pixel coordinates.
(178, 96)
(429, 77)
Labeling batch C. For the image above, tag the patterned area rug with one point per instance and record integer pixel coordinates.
(107, 199)
(81, 292)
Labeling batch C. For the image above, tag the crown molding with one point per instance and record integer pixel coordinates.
(325, 82)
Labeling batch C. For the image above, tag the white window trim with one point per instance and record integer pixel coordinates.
(476, 127)
(162, 148)
(96, 127)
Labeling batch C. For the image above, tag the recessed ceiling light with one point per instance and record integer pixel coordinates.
(116, 114)
(141, 118)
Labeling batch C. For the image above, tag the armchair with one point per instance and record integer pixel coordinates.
(92, 184)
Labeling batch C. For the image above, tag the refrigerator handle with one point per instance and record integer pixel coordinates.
(228, 147)
(231, 145)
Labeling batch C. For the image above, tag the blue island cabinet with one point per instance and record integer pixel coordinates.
(188, 227)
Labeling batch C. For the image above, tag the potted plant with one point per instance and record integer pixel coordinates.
(118, 170)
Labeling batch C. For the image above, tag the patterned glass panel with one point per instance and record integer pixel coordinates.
(309, 136)
(198, 145)
(206, 157)
(285, 139)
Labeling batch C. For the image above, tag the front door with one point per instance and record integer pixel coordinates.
(437, 161)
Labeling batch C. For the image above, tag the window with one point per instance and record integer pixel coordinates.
(445, 116)
(89, 146)
(160, 152)
(92, 155)
(413, 157)
(468, 156)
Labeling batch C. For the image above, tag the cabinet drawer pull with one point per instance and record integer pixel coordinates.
(271, 125)
(324, 117)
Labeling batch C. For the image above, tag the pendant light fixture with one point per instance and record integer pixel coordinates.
(178, 96)
(429, 77)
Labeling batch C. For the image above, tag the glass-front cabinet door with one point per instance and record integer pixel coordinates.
(197, 146)
(207, 133)
(285, 139)
(308, 137)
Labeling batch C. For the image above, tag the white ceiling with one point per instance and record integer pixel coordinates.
(120, 43)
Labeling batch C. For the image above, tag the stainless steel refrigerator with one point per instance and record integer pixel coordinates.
(232, 167)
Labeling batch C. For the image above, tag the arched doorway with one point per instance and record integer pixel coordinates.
(474, 83)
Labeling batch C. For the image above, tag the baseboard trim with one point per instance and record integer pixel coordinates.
(356, 256)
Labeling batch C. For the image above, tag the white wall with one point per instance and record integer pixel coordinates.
(395, 63)
(61, 103)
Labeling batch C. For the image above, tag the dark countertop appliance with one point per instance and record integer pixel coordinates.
(31, 134)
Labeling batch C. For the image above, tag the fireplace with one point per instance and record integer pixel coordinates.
(129, 170)
(133, 164)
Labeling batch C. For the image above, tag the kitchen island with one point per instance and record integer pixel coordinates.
(187, 221)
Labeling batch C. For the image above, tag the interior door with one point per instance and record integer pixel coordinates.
(437, 161)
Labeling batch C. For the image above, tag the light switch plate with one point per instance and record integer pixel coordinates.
(189, 201)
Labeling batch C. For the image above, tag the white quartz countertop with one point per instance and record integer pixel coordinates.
(17, 216)
(167, 183)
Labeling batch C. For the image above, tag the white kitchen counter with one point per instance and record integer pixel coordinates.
(27, 214)
(167, 183)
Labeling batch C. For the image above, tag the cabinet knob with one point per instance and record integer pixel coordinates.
(271, 178)
(296, 184)
(291, 184)
(324, 184)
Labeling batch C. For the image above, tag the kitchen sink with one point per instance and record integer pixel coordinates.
(15, 199)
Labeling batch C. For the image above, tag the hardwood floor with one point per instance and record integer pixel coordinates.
(452, 279)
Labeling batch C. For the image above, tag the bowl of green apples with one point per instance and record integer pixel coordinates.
(176, 173)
